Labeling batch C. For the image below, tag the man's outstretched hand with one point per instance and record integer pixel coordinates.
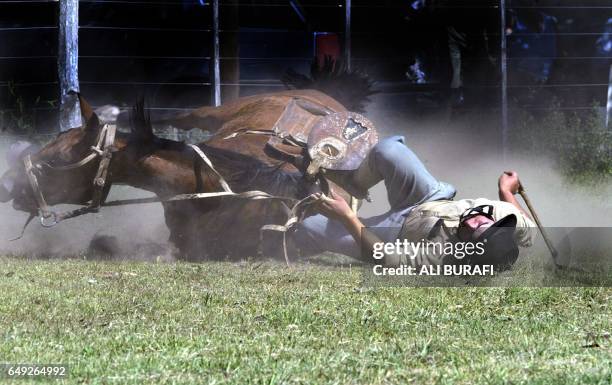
(509, 182)
(334, 206)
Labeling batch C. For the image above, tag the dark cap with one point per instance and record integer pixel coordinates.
(501, 249)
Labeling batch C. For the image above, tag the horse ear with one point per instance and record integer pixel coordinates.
(86, 109)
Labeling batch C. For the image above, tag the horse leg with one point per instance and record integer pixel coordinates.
(183, 221)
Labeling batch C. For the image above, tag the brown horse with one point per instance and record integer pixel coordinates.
(208, 228)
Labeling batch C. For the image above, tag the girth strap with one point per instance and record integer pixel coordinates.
(203, 156)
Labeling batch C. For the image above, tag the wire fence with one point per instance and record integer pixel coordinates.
(258, 36)
(208, 30)
(337, 4)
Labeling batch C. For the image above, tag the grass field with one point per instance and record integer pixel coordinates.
(135, 323)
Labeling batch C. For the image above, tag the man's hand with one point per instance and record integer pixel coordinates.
(334, 207)
(509, 182)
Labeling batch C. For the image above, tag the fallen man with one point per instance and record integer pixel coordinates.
(422, 212)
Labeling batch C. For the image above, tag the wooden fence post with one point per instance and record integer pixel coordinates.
(229, 49)
(68, 64)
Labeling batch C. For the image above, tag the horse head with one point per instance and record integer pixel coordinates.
(56, 185)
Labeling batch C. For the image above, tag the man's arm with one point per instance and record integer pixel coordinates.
(509, 185)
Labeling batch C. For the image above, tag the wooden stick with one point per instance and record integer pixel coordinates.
(549, 244)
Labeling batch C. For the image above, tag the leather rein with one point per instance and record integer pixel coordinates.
(104, 149)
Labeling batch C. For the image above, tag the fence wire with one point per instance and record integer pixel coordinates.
(208, 30)
(286, 4)
(278, 84)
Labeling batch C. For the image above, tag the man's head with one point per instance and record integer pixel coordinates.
(500, 249)
(475, 221)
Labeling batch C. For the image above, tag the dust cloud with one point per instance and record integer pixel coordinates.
(467, 155)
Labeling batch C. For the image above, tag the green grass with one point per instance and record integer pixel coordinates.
(134, 323)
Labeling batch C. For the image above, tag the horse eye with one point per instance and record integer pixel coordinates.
(50, 162)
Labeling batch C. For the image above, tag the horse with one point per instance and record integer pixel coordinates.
(217, 227)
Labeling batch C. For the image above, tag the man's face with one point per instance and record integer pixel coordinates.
(473, 227)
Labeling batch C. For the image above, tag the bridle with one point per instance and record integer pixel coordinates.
(104, 150)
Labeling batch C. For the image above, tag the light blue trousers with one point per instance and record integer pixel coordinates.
(408, 184)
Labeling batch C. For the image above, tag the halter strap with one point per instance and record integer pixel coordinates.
(104, 149)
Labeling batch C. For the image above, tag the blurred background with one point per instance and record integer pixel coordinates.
(426, 55)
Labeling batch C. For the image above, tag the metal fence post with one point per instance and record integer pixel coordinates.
(504, 80)
(347, 34)
(216, 71)
(609, 104)
(68, 64)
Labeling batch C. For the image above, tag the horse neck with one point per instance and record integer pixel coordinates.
(166, 169)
